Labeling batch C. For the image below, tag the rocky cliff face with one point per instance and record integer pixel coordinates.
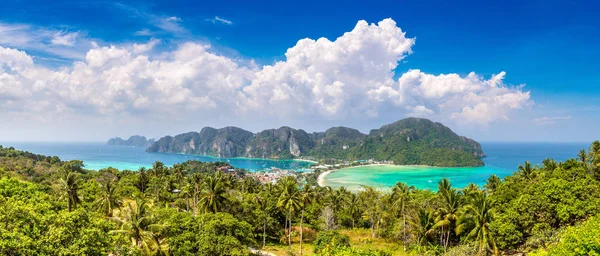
(135, 140)
(224, 142)
(335, 142)
(408, 141)
(284, 142)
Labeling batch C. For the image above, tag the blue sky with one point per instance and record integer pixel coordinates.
(550, 47)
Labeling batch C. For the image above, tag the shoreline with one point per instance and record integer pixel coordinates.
(322, 176)
(238, 158)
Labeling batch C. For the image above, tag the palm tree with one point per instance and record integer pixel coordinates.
(269, 189)
(142, 229)
(444, 186)
(290, 201)
(69, 185)
(109, 198)
(475, 221)
(334, 199)
(470, 189)
(423, 222)
(214, 193)
(155, 243)
(526, 171)
(142, 183)
(448, 212)
(135, 222)
(179, 172)
(492, 183)
(595, 152)
(307, 195)
(372, 202)
(187, 191)
(262, 201)
(583, 157)
(158, 169)
(158, 185)
(549, 164)
(400, 194)
(198, 183)
(594, 158)
(353, 206)
(248, 185)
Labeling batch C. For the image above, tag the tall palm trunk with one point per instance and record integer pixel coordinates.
(196, 200)
(264, 231)
(290, 228)
(301, 230)
(372, 229)
(187, 202)
(442, 237)
(285, 226)
(447, 239)
(404, 227)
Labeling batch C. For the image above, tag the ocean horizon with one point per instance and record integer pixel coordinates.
(502, 159)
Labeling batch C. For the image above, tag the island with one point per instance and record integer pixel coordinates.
(410, 141)
(135, 141)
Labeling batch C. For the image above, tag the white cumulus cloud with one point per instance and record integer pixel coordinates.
(350, 77)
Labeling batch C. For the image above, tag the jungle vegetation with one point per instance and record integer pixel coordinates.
(54, 207)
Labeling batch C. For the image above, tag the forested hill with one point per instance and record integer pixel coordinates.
(414, 141)
(135, 140)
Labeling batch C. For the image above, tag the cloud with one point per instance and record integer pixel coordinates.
(141, 48)
(64, 38)
(550, 120)
(169, 24)
(173, 19)
(470, 98)
(220, 20)
(51, 41)
(349, 78)
(143, 32)
(117, 82)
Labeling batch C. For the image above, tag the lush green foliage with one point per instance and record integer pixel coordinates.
(59, 208)
(583, 239)
(416, 141)
(409, 141)
(331, 241)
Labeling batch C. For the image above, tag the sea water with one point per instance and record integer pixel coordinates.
(98, 155)
(502, 159)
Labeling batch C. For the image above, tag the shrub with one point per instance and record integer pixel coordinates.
(331, 240)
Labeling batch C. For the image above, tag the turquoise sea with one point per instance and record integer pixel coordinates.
(98, 155)
(502, 159)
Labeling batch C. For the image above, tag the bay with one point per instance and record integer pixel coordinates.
(503, 158)
(98, 155)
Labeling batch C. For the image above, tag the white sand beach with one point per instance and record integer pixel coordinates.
(322, 176)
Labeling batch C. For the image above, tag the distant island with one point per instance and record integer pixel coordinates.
(410, 141)
(135, 140)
